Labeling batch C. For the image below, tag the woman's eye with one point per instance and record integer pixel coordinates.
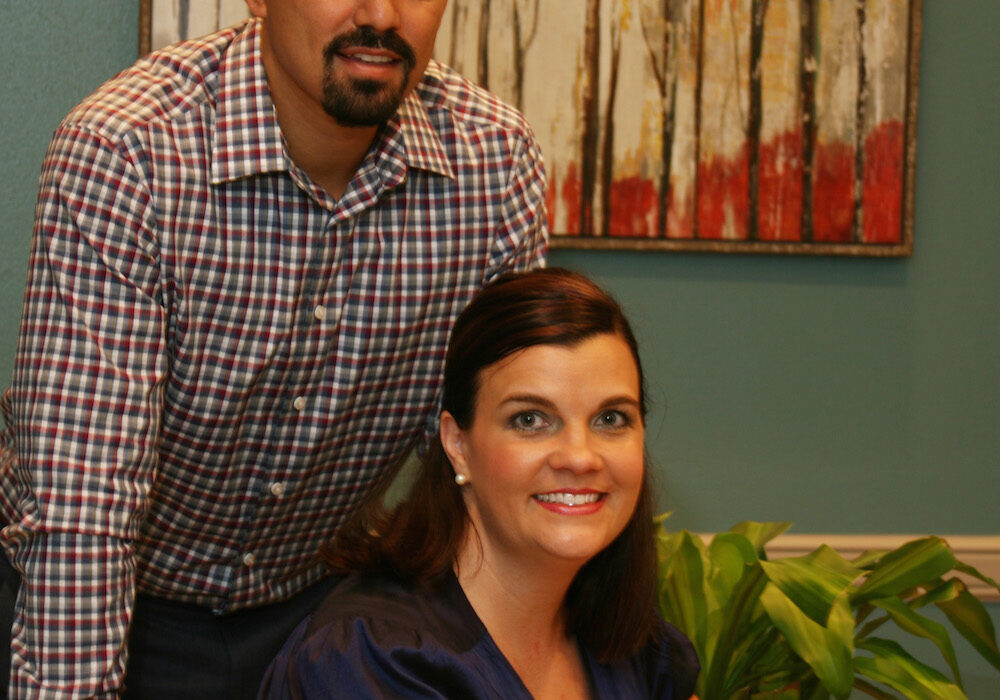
(527, 421)
(613, 419)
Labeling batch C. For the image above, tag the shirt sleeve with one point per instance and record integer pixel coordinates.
(522, 242)
(85, 399)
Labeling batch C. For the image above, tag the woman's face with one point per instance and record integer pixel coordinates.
(554, 454)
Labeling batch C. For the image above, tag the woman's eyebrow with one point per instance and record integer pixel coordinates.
(528, 399)
(537, 400)
(618, 400)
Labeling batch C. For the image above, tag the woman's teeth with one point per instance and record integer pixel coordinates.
(568, 499)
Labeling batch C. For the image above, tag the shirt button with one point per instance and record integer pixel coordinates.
(299, 403)
(277, 488)
(320, 312)
(249, 559)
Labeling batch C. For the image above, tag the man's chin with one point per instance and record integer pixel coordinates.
(364, 103)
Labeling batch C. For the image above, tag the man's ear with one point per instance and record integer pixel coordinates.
(258, 8)
(453, 441)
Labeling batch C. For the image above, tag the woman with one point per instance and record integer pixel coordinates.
(522, 564)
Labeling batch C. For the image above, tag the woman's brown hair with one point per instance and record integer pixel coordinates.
(611, 604)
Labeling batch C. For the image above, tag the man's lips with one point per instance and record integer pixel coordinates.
(370, 56)
(364, 46)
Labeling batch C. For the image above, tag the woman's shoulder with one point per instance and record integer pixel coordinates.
(672, 655)
(395, 611)
(374, 636)
(665, 668)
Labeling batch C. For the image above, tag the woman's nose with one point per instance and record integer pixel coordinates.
(575, 451)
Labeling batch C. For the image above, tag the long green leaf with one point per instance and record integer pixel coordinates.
(827, 649)
(972, 571)
(942, 591)
(812, 689)
(761, 652)
(872, 690)
(968, 615)
(731, 554)
(869, 558)
(776, 695)
(759, 534)
(871, 626)
(814, 581)
(918, 625)
(666, 544)
(892, 665)
(912, 564)
(737, 615)
(686, 598)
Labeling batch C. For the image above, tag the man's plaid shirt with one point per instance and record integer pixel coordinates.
(216, 359)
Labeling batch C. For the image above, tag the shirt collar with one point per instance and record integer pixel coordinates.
(247, 139)
(415, 117)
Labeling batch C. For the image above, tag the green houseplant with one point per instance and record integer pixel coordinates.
(809, 627)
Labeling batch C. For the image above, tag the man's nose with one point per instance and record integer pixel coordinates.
(380, 15)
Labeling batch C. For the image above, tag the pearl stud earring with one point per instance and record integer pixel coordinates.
(461, 479)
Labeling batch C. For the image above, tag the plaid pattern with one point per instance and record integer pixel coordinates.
(216, 359)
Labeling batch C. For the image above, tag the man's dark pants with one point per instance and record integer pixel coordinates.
(182, 651)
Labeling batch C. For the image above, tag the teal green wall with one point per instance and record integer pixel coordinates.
(846, 395)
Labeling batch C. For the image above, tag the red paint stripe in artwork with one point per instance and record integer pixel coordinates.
(632, 202)
(680, 221)
(571, 192)
(882, 193)
(552, 198)
(779, 191)
(723, 186)
(833, 192)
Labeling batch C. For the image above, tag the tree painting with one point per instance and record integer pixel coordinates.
(719, 125)
(723, 125)
(163, 22)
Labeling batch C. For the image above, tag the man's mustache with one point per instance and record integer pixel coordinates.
(368, 38)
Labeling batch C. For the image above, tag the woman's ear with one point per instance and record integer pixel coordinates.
(453, 442)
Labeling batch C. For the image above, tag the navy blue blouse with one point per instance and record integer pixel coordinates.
(376, 638)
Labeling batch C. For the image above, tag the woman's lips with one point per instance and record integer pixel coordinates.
(575, 502)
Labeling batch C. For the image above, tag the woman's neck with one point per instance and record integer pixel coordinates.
(523, 609)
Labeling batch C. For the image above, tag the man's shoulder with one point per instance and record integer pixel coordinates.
(161, 87)
(470, 105)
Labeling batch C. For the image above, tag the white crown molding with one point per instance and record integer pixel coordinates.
(979, 551)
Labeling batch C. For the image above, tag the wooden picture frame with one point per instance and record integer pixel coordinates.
(732, 126)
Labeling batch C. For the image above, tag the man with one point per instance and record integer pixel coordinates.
(247, 254)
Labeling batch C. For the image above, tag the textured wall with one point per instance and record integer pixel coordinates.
(845, 395)
(804, 389)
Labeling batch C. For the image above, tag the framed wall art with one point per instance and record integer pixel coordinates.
(736, 126)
